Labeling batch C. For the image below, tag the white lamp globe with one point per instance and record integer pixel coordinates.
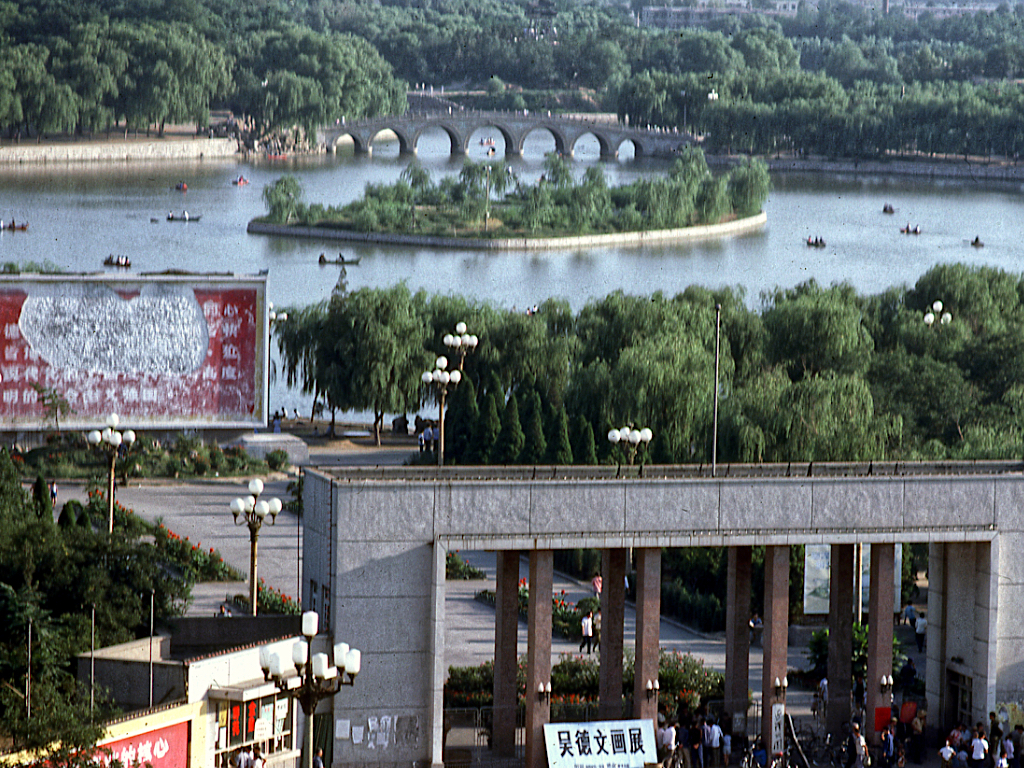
(238, 507)
(113, 420)
(275, 506)
(449, 340)
(310, 623)
(441, 362)
(646, 435)
(255, 486)
(634, 436)
(444, 377)
(300, 653)
(427, 377)
(460, 328)
(261, 509)
(936, 306)
(94, 437)
(613, 436)
(340, 652)
(455, 377)
(114, 438)
(353, 662)
(929, 318)
(129, 436)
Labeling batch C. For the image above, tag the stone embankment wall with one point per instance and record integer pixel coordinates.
(728, 229)
(972, 169)
(114, 150)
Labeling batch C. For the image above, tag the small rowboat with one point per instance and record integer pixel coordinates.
(117, 261)
(183, 216)
(340, 260)
(12, 227)
(241, 181)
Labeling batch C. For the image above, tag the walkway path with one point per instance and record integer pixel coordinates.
(200, 511)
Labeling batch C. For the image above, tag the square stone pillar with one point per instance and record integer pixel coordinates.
(881, 604)
(840, 638)
(613, 606)
(737, 639)
(648, 632)
(776, 632)
(506, 636)
(538, 658)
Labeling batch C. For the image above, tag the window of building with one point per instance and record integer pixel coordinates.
(266, 722)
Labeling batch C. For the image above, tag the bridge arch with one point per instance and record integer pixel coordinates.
(406, 142)
(507, 136)
(562, 145)
(455, 136)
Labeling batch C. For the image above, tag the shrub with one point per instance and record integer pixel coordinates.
(277, 459)
(457, 569)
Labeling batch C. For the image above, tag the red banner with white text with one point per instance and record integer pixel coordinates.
(171, 352)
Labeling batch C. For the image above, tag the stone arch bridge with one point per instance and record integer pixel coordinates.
(513, 127)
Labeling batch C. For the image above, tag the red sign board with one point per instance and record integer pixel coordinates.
(165, 351)
(162, 748)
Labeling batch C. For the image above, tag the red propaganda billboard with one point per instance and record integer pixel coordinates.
(162, 748)
(161, 351)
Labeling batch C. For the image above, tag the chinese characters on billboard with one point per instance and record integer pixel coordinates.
(161, 748)
(601, 744)
(160, 351)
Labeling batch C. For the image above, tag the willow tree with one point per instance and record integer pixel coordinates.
(374, 352)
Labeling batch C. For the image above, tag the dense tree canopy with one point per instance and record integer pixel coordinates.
(818, 374)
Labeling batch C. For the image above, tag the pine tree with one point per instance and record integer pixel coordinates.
(559, 449)
(583, 448)
(510, 441)
(535, 446)
(486, 430)
(460, 422)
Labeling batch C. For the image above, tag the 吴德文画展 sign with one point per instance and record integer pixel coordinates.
(601, 744)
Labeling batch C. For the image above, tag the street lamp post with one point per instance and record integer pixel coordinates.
(441, 379)
(254, 511)
(935, 313)
(460, 343)
(631, 438)
(112, 441)
(316, 678)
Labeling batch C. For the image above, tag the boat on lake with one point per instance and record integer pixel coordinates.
(341, 260)
(117, 261)
(183, 216)
(11, 226)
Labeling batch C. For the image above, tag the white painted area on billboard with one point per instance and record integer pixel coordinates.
(817, 560)
(601, 744)
(166, 351)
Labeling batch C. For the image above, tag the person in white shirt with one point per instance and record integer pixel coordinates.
(946, 754)
(716, 744)
(979, 749)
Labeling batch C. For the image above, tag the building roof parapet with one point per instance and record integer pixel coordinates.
(724, 472)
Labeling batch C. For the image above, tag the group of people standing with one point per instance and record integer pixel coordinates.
(699, 743)
(981, 748)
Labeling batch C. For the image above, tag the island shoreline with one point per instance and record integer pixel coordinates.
(638, 239)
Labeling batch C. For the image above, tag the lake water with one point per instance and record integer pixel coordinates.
(79, 214)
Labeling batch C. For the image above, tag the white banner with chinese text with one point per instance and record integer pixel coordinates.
(601, 744)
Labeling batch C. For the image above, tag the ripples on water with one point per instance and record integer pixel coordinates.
(80, 214)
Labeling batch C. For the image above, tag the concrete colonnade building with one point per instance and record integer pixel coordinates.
(374, 566)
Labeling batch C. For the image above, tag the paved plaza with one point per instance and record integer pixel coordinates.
(200, 510)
